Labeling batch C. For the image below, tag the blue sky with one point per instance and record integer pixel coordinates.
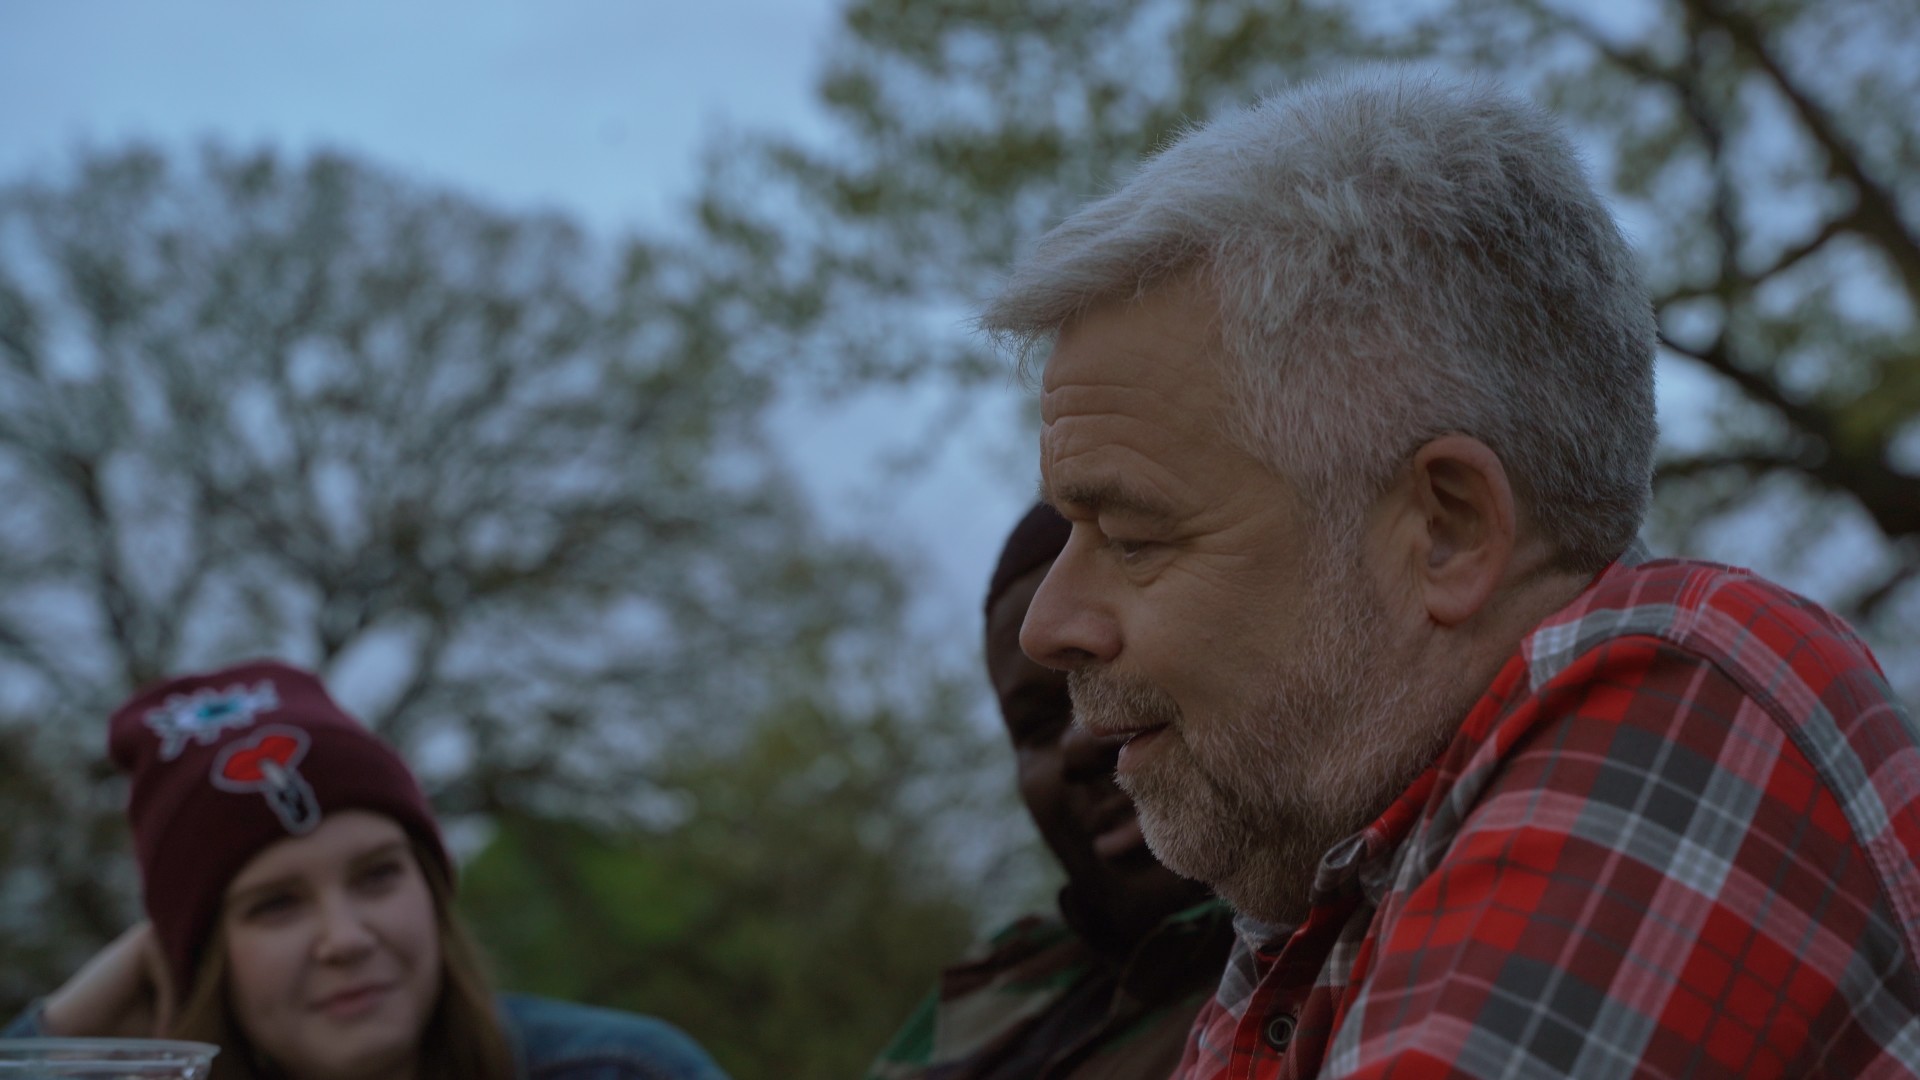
(597, 108)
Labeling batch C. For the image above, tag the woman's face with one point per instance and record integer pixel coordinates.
(333, 950)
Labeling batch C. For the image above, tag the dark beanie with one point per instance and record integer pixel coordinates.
(225, 763)
(1035, 542)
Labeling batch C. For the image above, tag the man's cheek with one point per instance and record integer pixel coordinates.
(1037, 773)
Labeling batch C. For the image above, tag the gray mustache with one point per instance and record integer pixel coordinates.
(1103, 701)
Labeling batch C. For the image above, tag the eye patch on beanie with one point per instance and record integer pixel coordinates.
(202, 715)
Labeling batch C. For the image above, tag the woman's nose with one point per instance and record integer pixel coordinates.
(344, 933)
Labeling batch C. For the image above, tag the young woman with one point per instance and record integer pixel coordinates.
(299, 905)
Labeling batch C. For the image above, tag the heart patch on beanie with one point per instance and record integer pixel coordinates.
(268, 762)
(202, 715)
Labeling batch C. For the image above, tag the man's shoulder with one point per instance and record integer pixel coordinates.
(1036, 989)
(1028, 950)
(1012, 975)
(1021, 937)
(563, 1039)
(1753, 628)
(1668, 654)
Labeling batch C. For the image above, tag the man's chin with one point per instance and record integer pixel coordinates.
(1189, 848)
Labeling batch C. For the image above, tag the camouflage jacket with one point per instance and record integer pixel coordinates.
(1040, 1003)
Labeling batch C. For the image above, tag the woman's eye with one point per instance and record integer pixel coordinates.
(267, 907)
(379, 875)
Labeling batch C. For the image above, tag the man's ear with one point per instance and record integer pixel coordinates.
(1467, 542)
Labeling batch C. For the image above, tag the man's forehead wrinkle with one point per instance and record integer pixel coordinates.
(1124, 454)
(1105, 475)
(1141, 415)
(1094, 397)
(1081, 434)
(1125, 409)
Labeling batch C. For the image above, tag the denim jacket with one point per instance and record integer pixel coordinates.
(557, 1040)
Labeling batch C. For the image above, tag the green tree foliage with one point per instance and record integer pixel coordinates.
(1763, 155)
(785, 923)
(506, 487)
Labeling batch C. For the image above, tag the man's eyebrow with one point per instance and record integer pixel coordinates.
(1104, 496)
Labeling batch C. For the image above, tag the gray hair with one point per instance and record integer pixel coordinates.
(1395, 258)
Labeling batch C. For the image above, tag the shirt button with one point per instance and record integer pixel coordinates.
(1279, 1031)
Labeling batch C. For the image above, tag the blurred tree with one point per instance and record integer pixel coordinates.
(506, 488)
(781, 922)
(1763, 154)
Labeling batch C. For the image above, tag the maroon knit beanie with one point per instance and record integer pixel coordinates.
(1036, 541)
(224, 764)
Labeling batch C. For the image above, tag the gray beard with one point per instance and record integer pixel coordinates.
(1251, 803)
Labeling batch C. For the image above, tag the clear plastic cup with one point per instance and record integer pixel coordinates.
(105, 1059)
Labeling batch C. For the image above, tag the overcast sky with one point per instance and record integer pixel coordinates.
(593, 106)
(597, 108)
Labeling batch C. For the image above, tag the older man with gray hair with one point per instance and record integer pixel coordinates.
(1349, 400)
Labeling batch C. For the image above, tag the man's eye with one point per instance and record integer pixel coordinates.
(1128, 550)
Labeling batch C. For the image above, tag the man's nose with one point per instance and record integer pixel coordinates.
(1066, 628)
(1085, 756)
(344, 931)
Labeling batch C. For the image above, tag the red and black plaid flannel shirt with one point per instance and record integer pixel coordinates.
(1677, 836)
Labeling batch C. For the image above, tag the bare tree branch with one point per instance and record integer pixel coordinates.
(1878, 216)
(1870, 602)
(1751, 462)
(1892, 498)
(347, 408)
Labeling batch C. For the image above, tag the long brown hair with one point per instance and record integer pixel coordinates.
(463, 1037)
